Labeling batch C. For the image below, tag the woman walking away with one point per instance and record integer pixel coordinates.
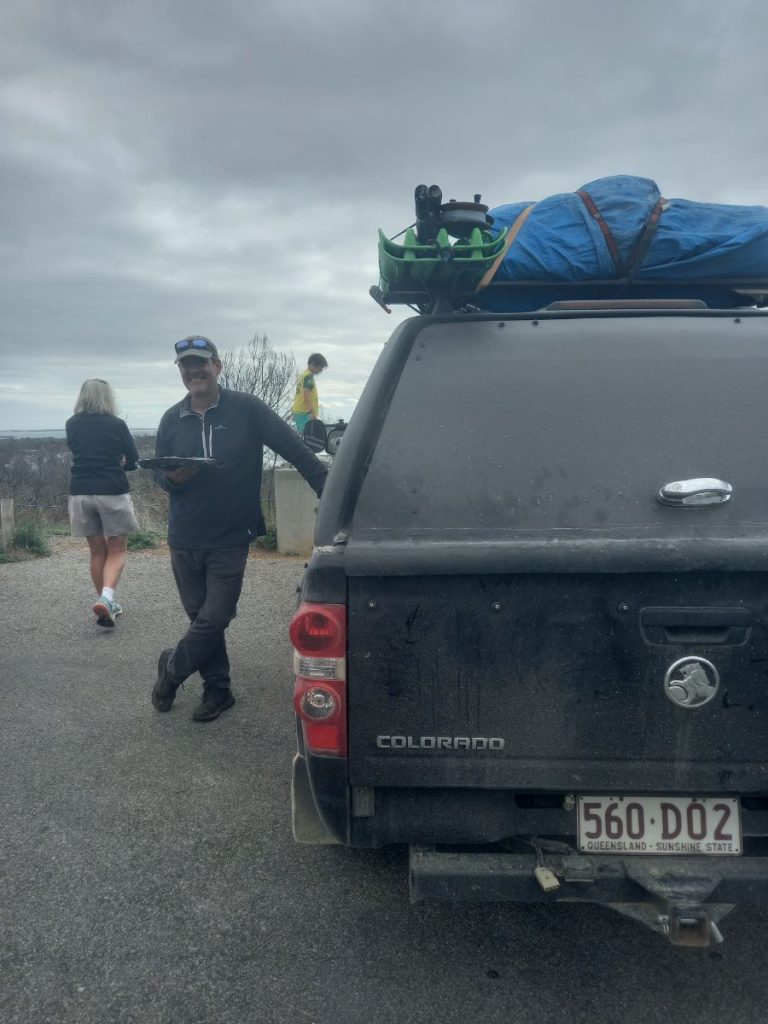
(100, 506)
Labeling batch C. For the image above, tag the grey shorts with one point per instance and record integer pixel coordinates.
(109, 514)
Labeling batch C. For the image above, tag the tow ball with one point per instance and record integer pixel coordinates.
(679, 906)
(690, 926)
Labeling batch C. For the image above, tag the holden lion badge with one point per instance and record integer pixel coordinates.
(691, 682)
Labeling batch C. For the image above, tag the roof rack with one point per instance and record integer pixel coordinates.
(432, 274)
(627, 304)
(721, 292)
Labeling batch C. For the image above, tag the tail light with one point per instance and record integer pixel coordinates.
(319, 636)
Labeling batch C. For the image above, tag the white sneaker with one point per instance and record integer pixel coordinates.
(104, 611)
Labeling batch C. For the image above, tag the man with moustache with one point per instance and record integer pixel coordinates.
(214, 513)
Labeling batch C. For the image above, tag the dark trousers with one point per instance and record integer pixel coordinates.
(209, 585)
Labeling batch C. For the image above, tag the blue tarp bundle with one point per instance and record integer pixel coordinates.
(692, 244)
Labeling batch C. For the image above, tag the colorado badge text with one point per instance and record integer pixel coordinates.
(440, 742)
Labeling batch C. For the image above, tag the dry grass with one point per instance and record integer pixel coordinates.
(61, 543)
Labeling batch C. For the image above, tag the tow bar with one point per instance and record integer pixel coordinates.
(673, 897)
(693, 927)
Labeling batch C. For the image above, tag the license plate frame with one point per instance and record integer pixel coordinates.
(661, 826)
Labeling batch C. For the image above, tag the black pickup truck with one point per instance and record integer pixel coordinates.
(532, 640)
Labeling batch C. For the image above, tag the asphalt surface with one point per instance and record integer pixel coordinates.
(148, 873)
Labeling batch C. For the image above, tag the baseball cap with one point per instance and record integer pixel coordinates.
(195, 345)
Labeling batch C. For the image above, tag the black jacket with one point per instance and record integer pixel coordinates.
(98, 442)
(221, 508)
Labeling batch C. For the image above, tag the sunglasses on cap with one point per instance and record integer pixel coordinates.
(189, 343)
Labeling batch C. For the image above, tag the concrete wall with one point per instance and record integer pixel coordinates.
(295, 507)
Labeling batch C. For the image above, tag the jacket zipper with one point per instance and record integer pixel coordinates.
(207, 445)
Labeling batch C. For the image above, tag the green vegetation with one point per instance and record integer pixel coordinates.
(30, 536)
(58, 530)
(142, 539)
(268, 542)
(35, 473)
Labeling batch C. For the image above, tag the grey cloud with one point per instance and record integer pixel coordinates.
(184, 166)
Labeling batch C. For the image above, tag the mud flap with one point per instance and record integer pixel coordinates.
(308, 826)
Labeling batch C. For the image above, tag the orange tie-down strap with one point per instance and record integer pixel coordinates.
(514, 231)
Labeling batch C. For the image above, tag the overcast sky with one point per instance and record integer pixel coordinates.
(175, 167)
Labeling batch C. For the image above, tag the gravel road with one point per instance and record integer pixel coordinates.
(148, 872)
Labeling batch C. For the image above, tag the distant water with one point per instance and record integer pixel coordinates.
(40, 434)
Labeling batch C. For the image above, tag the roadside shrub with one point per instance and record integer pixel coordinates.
(141, 539)
(268, 542)
(58, 529)
(29, 536)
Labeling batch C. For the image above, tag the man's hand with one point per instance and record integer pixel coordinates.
(182, 474)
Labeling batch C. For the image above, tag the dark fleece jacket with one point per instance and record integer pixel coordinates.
(220, 508)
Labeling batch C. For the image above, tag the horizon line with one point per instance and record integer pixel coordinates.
(43, 428)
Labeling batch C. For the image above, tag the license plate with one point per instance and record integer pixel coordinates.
(667, 825)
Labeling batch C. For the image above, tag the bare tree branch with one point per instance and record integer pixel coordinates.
(259, 370)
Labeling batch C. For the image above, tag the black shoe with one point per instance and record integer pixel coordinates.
(164, 689)
(212, 704)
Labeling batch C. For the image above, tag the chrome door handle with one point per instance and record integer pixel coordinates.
(693, 493)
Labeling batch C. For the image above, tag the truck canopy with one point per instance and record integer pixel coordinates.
(533, 444)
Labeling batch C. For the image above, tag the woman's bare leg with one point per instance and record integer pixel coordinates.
(98, 546)
(116, 551)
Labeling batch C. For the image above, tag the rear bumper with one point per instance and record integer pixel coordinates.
(459, 876)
